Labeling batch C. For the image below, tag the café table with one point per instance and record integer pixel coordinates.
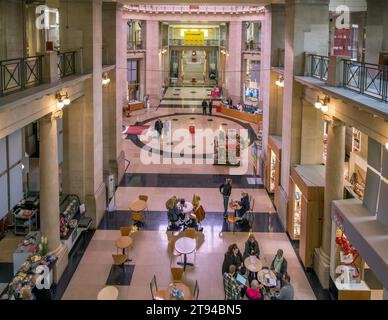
(185, 246)
(123, 242)
(253, 265)
(261, 277)
(108, 293)
(235, 206)
(187, 295)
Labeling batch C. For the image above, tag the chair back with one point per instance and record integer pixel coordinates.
(189, 233)
(200, 214)
(143, 197)
(137, 216)
(196, 290)
(125, 231)
(153, 286)
(119, 259)
(177, 273)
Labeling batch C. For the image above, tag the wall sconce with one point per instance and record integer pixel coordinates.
(386, 145)
(164, 51)
(105, 79)
(280, 82)
(62, 100)
(323, 105)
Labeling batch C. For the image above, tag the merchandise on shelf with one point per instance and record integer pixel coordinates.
(297, 213)
(69, 208)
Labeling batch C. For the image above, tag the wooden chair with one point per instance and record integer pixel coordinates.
(200, 214)
(155, 293)
(144, 198)
(189, 233)
(177, 274)
(196, 291)
(137, 218)
(125, 231)
(119, 259)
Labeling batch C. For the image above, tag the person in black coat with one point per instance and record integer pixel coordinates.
(204, 106)
(233, 256)
(210, 107)
(159, 126)
(226, 190)
(252, 247)
(279, 265)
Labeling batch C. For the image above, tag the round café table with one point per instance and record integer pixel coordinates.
(108, 293)
(138, 205)
(262, 279)
(185, 246)
(187, 295)
(253, 265)
(123, 242)
(235, 207)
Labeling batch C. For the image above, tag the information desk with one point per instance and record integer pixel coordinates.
(353, 291)
(136, 105)
(241, 115)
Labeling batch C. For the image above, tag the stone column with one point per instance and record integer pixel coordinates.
(49, 191)
(272, 38)
(334, 189)
(180, 66)
(376, 30)
(114, 95)
(233, 61)
(153, 62)
(84, 155)
(306, 30)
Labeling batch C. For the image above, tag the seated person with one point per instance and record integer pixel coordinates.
(192, 223)
(252, 247)
(255, 292)
(287, 290)
(233, 257)
(174, 215)
(279, 265)
(239, 107)
(245, 206)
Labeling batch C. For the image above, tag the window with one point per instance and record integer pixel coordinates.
(133, 80)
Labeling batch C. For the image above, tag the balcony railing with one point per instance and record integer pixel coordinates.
(252, 46)
(66, 63)
(19, 74)
(365, 78)
(181, 42)
(134, 46)
(319, 66)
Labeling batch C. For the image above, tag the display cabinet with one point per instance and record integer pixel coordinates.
(272, 177)
(305, 213)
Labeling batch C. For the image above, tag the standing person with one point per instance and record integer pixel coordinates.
(210, 107)
(287, 290)
(233, 291)
(226, 190)
(279, 265)
(159, 126)
(204, 106)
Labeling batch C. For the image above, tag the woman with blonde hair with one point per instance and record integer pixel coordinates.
(252, 247)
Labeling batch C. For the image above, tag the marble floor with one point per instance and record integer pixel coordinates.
(149, 251)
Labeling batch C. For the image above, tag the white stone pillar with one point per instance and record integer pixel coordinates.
(49, 191)
(334, 189)
(153, 62)
(233, 61)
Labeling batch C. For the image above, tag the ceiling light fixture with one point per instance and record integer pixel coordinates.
(280, 82)
(105, 79)
(62, 100)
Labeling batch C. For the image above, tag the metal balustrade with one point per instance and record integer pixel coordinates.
(20, 74)
(367, 79)
(252, 46)
(319, 67)
(134, 45)
(66, 63)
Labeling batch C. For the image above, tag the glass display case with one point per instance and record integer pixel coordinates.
(297, 212)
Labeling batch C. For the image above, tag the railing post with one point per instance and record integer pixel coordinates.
(1, 80)
(385, 85)
(22, 73)
(50, 67)
(362, 78)
(335, 73)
